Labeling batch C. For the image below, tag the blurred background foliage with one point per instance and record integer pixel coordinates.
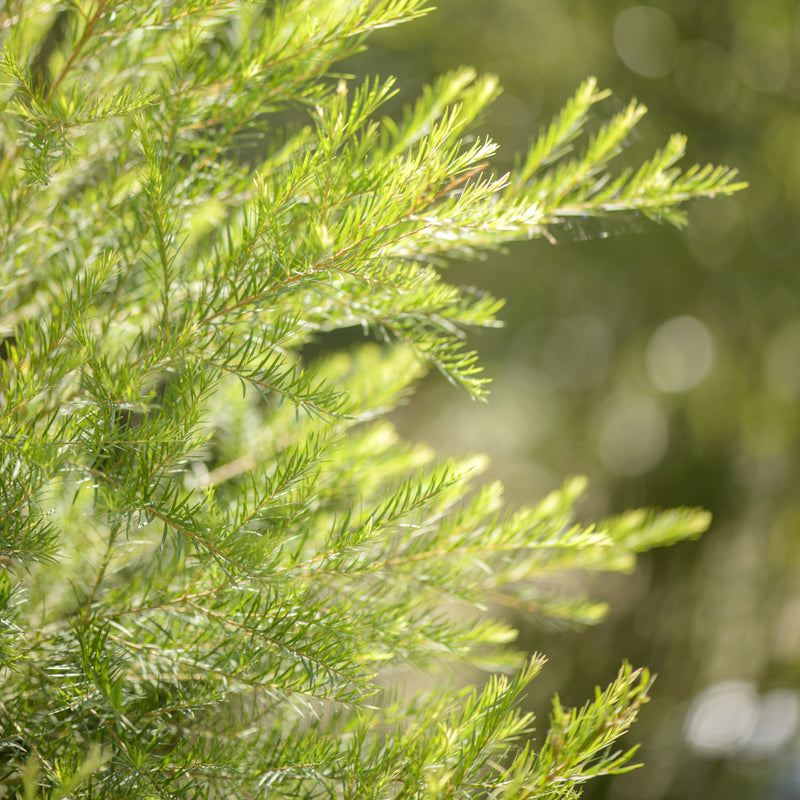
(663, 364)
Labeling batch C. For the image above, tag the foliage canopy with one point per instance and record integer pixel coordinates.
(215, 556)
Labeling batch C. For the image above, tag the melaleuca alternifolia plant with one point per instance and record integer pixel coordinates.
(213, 548)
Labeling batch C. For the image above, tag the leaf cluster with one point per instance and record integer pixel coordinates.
(214, 553)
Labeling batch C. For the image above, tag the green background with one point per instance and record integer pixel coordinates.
(663, 364)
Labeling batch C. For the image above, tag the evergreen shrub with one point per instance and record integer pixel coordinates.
(218, 561)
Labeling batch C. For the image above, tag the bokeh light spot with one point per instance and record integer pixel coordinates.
(776, 723)
(646, 40)
(731, 718)
(763, 61)
(679, 354)
(782, 362)
(722, 718)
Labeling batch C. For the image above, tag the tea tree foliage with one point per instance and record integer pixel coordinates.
(216, 556)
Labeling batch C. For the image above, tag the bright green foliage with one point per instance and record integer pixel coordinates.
(215, 558)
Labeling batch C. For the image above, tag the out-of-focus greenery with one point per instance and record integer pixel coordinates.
(663, 364)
